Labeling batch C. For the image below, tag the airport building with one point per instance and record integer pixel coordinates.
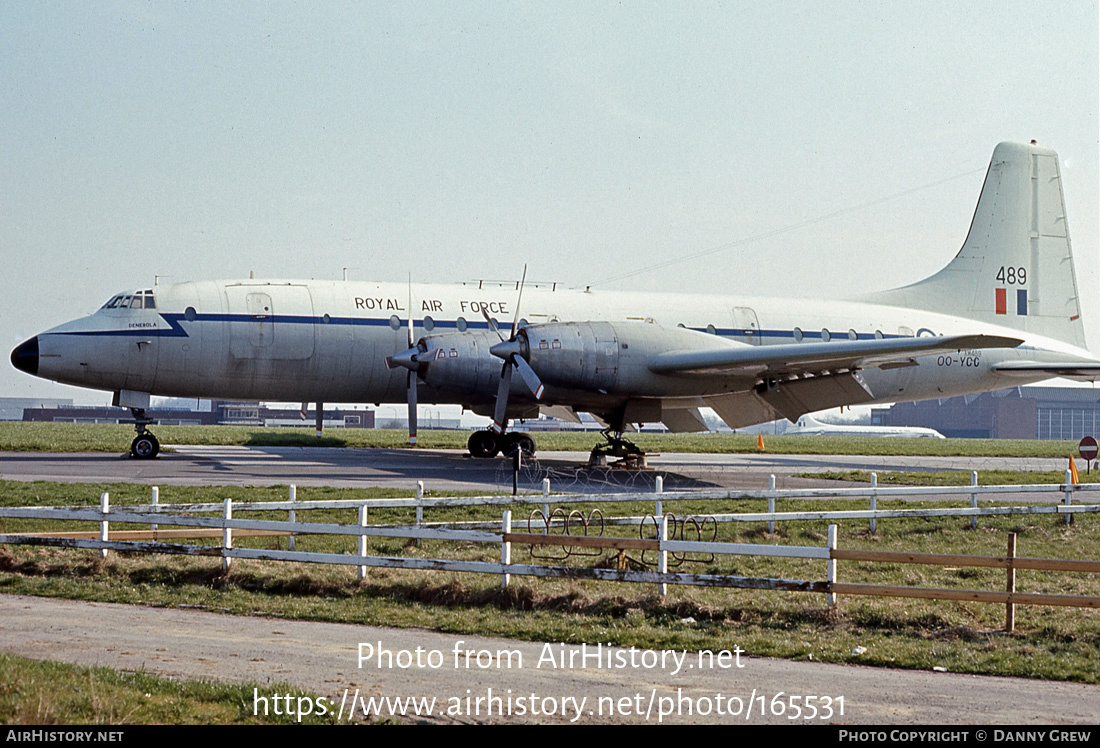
(224, 413)
(1017, 413)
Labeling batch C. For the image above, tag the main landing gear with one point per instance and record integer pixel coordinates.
(632, 456)
(144, 446)
(486, 444)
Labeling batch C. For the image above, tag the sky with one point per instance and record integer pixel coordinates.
(805, 147)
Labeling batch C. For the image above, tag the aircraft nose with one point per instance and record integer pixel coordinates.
(25, 356)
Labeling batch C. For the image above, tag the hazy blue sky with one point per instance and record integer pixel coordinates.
(460, 140)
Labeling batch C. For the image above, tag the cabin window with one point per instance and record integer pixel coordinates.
(798, 334)
(712, 330)
(395, 322)
(460, 324)
(878, 335)
(429, 324)
(327, 319)
(852, 335)
(825, 336)
(189, 314)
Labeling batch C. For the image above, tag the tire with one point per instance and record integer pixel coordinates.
(145, 447)
(524, 442)
(483, 445)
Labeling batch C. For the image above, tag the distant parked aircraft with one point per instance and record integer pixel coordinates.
(808, 426)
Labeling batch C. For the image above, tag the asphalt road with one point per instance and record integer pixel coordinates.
(324, 658)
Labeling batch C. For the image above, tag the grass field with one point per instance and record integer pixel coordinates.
(72, 437)
(50, 693)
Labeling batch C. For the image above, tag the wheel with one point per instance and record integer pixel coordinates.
(483, 444)
(524, 442)
(145, 447)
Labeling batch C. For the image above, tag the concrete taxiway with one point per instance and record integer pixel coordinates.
(451, 470)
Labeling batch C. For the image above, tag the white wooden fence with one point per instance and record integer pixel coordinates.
(541, 529)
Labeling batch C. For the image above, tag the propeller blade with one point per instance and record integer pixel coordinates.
(500, 412)
(530, 378)
(412, 342)
(411, 383)
(519, 303)
(492, 323)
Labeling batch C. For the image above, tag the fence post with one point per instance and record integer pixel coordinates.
(771, 504)
(662, 556)
(104, 508)
(362, 541)
(292, 516)
(1068, 497)
(546, 506)
(1010, 607)
(506, 548)
(156, 503)
(830, 572)
(874, 500)
(659, 487)
(974, 500)
(419, 507)
(227, 535)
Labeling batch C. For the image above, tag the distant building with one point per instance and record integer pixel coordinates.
(11, 408)
(221, 413)
(1017, 413)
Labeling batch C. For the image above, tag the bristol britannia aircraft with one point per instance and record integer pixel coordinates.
(1005, 311)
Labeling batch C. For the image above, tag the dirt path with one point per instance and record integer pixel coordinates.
(324, 658)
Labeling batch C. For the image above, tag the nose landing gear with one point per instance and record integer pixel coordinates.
(144, 446)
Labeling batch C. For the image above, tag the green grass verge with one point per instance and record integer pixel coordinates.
(80, 437)
(50, 693)
(1050, 643)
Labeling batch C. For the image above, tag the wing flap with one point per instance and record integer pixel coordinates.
(683, 420)
(795, 398)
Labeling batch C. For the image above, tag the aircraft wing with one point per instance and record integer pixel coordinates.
(806, 377)
(811, 358)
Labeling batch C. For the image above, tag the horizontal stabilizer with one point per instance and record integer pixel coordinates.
(1085, 372)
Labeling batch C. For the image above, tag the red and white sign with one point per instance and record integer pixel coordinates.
(1088, 449)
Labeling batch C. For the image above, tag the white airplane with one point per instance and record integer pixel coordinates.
(810, 426)
(1005, 311)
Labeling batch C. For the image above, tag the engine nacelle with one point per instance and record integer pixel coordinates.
(460, 363)
(613, 357)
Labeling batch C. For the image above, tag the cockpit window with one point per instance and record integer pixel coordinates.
(139, 300)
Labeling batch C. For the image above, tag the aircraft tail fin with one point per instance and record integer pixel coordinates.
(1015, 268)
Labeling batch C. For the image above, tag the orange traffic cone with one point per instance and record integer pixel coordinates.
(1073, 471)
(760, 442)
